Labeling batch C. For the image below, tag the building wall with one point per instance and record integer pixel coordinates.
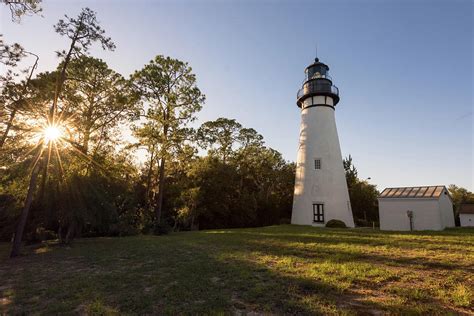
(319, 140)
(426, 214)
(467, 220)
(446, 210)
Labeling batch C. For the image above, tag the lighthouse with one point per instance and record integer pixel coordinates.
(321, 192)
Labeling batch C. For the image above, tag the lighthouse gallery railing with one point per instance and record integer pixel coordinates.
(314, 87)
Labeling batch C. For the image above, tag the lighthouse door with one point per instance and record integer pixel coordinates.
(318, 212)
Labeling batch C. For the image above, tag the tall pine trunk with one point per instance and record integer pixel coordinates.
(7, 129)
(13, 113)
(161, 177)
(24, 215)
(161, 187)
(148, 197)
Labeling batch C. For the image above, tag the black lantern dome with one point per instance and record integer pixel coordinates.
(317, 82)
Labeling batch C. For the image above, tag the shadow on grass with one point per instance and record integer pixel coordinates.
(322, 252)
(192, 273)
(405, 241)
(165, 276)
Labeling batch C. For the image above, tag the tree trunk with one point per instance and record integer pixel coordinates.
(44, 176)
(85, 142)
(7, 129)
(60, 233)
(192, 222)
(60, 81)
(148, 179)
(161, 186)
(13, 113)
(24, 215)
(70, 233)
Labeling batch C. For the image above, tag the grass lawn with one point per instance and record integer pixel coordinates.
(271, 270)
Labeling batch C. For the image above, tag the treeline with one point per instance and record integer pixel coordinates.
(67, 170)
(363, 196)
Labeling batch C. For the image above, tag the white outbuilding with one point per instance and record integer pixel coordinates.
(416, 208)
(466, 215)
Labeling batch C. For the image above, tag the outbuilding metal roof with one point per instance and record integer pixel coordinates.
(466, 209)
(413, 192)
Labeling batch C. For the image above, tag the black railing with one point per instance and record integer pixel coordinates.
(318, 76)
(314, 87)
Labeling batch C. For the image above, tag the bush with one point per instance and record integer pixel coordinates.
(40, 234)
(162, 228)
(285, 221)
(335, 223)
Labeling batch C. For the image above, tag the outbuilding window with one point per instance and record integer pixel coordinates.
(317, 163)
(318, 213)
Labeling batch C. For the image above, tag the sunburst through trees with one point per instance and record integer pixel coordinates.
(82, 32)
(67, 168)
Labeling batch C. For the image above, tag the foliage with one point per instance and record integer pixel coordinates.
(10, 55)
(98, 101)
(82, 31)
(12, 93)
(219, 136)
(335, 223)
(19, 8)
(459, 196)
(240, 183)
(169, 88)
(162, 228)
(363, 196)
(351, 172)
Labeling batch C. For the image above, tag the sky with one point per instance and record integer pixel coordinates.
(404, 70)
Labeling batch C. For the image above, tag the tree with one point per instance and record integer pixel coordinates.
(95, 100)
(82, 32)
(241, 183)
(211, 201)
(14, 99)
(168, 86)
(363, 195)
(18, 8)
(364, 202)
(10, 55)
(351, 172)
(219, 136)
(459, 196)
(100, 100)
(249, 137)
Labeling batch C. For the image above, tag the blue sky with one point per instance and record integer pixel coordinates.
(404, 70)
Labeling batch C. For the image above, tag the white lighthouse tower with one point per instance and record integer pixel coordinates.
(320, 188)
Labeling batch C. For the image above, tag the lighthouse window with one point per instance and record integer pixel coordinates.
(318, 213)
(317, 164)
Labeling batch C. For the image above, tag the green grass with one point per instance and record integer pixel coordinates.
(271, 270)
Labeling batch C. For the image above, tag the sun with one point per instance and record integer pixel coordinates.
(51, 133)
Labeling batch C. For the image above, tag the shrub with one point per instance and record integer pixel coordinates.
(285, 221)
(45, 234)
(162, 228)
(40, 234)
(335, 223)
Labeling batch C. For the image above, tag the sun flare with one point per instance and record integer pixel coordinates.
(51, 134)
